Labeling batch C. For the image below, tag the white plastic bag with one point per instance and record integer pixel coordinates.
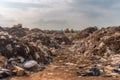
(30, 64)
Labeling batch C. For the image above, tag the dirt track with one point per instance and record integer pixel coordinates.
(58, 70)
(59, 73)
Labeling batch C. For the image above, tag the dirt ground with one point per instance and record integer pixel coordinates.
(55, 72)
(59, 70)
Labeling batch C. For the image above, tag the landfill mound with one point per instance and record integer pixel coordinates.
(84, 33)
(17, 30)
(61, 39)
(21, 56)
(49, 40)
(36, 30)
(65, 56)
(99, 52)
(105, 40)
(2, 29)
(39, 38)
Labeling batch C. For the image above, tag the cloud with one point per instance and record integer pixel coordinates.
(43, 2)
(60, 14)
(25, 1)
(20, 4)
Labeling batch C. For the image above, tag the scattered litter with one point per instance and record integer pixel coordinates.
(23, 50)
(92, 72)
(30, 64)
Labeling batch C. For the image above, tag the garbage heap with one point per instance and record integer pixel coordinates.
(38, 38)
(2, 29)
(102, 41)
(36, 30)
(53, 40)
(18, 57)
(61, 39)
(84, 33)
(100, 52)
(17, 30)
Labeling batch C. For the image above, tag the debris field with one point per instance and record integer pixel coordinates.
(35, 54)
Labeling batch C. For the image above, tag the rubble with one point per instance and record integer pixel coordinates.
(94, 71)
(101, 41)
(19, 71)
(102, 48)
(84, 33)
(20, 55)
(17, 30)
(41, 39)
(61, 39)
(115, 60)
(33, 50)
(34, 30)
(4, 73)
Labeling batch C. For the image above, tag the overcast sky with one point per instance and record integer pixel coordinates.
(60, 14)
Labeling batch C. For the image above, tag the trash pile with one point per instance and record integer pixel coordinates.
(17, 30)
(61, 39)
(2, 29)
(102, 41)
(84, 33)
(90, 52)
(18, 57)
(53, 40)
(38, 38)
(101, 48)
(36, 30)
